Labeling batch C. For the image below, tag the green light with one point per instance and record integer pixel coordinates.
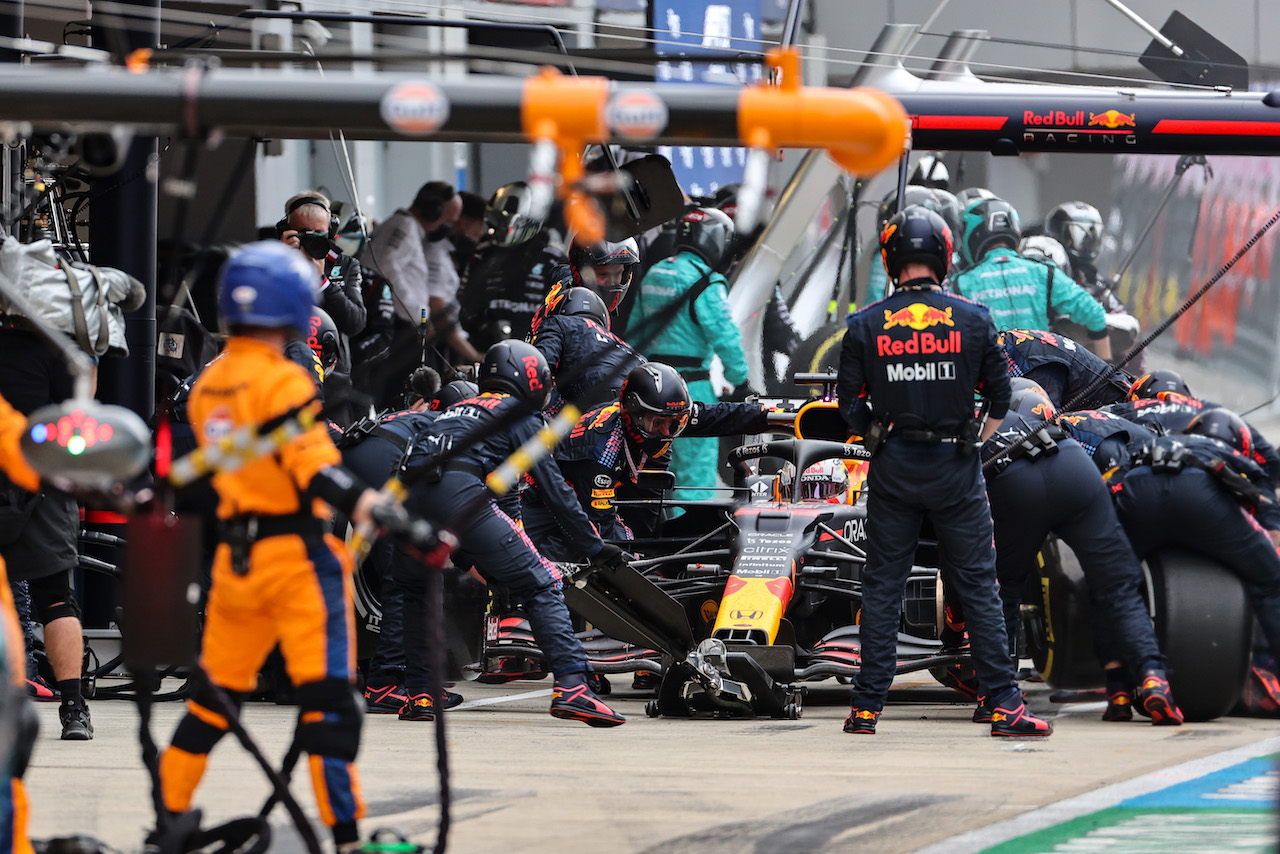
(75, 446)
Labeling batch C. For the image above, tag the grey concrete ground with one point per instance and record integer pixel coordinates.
(525, 782)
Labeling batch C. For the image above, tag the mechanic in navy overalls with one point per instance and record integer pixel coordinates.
(918, 356)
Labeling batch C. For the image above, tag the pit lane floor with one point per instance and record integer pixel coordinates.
(525, 782)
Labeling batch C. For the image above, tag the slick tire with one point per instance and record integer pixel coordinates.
(818, 353)
(1205, 627)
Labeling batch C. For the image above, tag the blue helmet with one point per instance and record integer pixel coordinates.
(267, 283)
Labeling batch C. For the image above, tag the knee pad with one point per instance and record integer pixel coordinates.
(330, 717)
(205, 722)
(51, 597)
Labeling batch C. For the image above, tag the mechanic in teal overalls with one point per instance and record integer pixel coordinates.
(1020, 292)
(682, 319)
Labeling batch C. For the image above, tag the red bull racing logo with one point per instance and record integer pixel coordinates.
(918, 316)
(1113, 119)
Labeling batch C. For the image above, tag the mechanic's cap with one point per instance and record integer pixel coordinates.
(1156, 384)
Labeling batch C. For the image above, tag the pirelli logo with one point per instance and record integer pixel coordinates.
(898, 372)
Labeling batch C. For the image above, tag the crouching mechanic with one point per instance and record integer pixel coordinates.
(1040, 481)
(611, 445)
(588, 362)
(277, 578)
(920, 425)
(483, 431)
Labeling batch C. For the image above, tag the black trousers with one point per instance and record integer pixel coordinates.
(1063, 494)
(907, 482)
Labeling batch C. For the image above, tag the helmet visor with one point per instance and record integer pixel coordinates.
(656, 425)
(814, 489)
(1085, 239)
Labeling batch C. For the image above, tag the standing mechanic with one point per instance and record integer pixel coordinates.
(1020, 293)
(683, 309)
(919, 355)
(277, 578)
(482, 432)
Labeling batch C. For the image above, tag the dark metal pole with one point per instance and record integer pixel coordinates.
(122, 233)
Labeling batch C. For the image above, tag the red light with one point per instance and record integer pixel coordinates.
(105, 432)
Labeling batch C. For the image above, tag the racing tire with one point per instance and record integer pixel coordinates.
(1055, 616)
(1205, 628)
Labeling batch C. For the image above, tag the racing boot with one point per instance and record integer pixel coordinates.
(573, 700)
(862, 721)
(385, 699)
(1156, 700)
(1119, 687)
(1010, 719)
(982, 712)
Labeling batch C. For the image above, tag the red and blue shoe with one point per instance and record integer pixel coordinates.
(1119, 706)
(1157, 700)
(1011, 719)
(385, 699)
(862, 721)
(42, 691)
(577, 702)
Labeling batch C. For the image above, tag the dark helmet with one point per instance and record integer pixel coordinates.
(583, 302)
(1224, 426)
(916, 234)
(1151, 386)
(655, 401)
(455, 392)
(1078, 227)
(949, 207)
(706, 232)
(267, 284)
(508, 215)
(930, 171)
(322, 338)
(988, 223)
(517, 368)
(1030, 401)
(969, 195)
(923, 196)
(586, 258)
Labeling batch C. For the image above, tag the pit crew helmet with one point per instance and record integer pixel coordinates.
(322, 338)
(914, 195)
(950, 209)
(930, 171)
(1224, 426)
(969, 195)
(916, 234)
(1043, 248)
(655, 401)
(988, 223)
(1031, 401)
(605, 254)
(507, 215)
(1078, 227)
(706, 232)
(1155, 384)
(451, 393)
(517, 368)
(268, 284)
(583, 302)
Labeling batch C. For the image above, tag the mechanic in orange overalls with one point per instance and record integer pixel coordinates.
(277, 577)
(13, 803)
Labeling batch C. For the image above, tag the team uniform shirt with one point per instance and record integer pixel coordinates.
(588, 362)
(915, 358)
(1172, 412)
(1021, 293)
(250, 384)
(509, 285)
(1032, 353)
(342, 293)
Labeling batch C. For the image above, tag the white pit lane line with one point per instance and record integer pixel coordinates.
(1100, 799)
(506, 698)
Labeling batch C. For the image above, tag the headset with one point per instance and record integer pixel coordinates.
(334, 223)
(431, 199)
